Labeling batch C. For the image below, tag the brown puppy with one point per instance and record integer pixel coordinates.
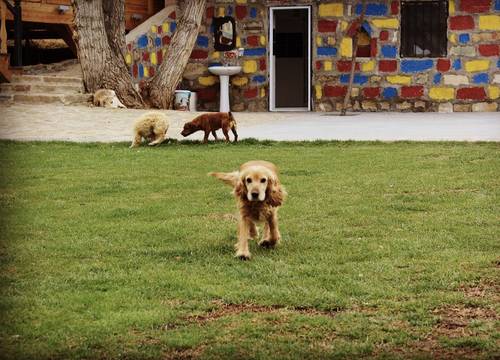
(211, 122)
(259, 193)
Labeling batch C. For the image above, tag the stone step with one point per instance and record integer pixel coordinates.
(65, 99)
(40, 88)
(38, 79)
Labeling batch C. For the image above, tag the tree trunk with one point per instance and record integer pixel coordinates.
(102, 67)
(114, 23)
(160, 89)
(353, 59)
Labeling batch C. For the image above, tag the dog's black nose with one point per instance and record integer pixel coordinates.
(255, 195)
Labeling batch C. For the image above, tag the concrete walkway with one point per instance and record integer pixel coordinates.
(85, 124)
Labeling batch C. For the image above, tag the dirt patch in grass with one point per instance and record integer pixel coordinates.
(226, 217)
(185, 354)
(222, 309)
(486, 288)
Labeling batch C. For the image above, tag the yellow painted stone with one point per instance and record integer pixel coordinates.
(221, 11)
(128, 58)
(442, 93)
(262, 92)
(386, 23)
(153, 58)
(453, 38)
(451, 7)
(493, 92)
(146, 71)
(215, 55)
(154, 29)
(331, 40)
(241, 1)
(477, 65)
(165, 27)
(239, 80)
(262, 40)
(331, 10)
(368, 66)
(489, 22)
(399, 79)
(346, 47)
(343, 25)
(238, 41)
(327, 65)
(163, 51)
(319, 91)
(207, 80)
(319, 41)
(249, 66)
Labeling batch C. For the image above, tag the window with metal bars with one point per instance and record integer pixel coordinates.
(424, 28)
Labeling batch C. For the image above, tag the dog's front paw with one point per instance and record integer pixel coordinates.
(267, 243)
(243, 255)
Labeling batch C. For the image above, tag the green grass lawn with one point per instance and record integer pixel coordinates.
(388, 250)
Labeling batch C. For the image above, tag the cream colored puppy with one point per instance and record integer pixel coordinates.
(152, 126)
(107, 98)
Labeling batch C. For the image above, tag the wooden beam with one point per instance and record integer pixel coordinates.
(3, 28)
(45, 13)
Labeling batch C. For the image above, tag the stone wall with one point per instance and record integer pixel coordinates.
(467, 79)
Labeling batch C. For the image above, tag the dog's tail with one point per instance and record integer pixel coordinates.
(229, 178)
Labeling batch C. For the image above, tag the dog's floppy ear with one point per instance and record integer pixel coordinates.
(275, 193)
(240, 189)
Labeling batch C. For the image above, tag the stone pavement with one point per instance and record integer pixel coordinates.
(92, 124)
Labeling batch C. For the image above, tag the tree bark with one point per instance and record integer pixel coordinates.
(160, 89)
(102, 65)
(114, 23)
(353, 59)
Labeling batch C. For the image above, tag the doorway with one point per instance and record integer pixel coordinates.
(290, 58)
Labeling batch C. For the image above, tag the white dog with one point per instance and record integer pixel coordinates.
(151, 126)
(107, 98)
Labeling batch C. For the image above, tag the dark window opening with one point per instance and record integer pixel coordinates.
(424, 28)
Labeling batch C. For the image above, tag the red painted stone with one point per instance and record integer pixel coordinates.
(253, 40)
(210, 12)
(151, 71)
(489, 50)
(387, 65)
(129, 47)
(165, 40)
(334, 91)
(371, 92)
(145, 56)
(318, 65)
(135, 70)
(472, 93)
(251, 93)
(395, 7)
(199, 54)
(209, 93)
(159, 29)
(475, 6)
(327, 25)
(241, 12)
(443, 65)
(373, 47)
(345, 66)
(159, 56)
(412, 91)
(464, 22)
(172, 15)
(384, 35)
(262, 64)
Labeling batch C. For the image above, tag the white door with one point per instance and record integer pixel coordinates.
(290, 58)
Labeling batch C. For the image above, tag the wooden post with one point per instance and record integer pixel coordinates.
(18, 34)
(353, 58)
(3, 29)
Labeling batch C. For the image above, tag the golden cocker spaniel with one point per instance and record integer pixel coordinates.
(259, 194)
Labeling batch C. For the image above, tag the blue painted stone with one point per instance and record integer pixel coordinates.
(464, 38)
(173, 26)
(372, 9)
(457, 64)
(142, 42)
(481, 78)
(390, 93)
(202, 41)
(259, 78)
(215, 64)
(326, 51)
(157, 41)
(497, 5)
(389, 51)
(415, 66)
(358, 79)
(498, 64)
(367, 28)
(254, 52)
(141, 71)
(437, 78)
(253, 13)
(229, 10)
